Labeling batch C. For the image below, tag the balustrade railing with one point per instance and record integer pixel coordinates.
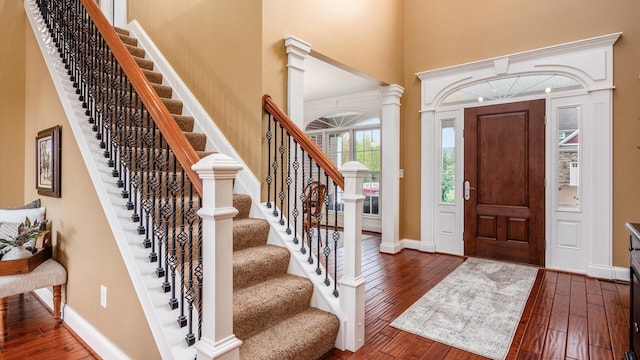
(303, 189)
(149, 155)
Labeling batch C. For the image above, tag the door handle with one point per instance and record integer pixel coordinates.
(467, 190)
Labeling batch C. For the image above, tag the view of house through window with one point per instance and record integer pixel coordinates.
(568, 157)
(349, 136)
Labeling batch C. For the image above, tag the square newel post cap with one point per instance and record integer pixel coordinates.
(353, 169)
(219, 164)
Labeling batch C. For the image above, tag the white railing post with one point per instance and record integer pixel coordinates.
(217, 172)
(352, 282)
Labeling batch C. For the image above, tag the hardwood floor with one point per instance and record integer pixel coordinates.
(34, 335)
(566, 317)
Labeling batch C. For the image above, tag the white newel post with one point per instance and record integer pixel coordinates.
(217, 172)
(352, 282)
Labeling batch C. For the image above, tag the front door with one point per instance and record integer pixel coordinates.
(504, 169)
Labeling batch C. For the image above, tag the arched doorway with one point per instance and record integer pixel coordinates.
(575, 80)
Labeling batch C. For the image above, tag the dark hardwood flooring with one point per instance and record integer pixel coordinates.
(567, 316)
(34, 335)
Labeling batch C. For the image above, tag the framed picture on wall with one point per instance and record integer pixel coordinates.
(48, 152)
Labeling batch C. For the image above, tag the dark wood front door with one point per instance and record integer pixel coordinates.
(504, 165)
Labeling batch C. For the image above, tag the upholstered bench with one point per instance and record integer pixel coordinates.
(49, 273)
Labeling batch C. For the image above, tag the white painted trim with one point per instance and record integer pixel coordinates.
(590, 62)
(89, 334)
(161, 320)
(246, 181)
(622, 273)
(297, 52)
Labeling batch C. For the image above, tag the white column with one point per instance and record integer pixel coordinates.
(352, 282)
(217, 172)
(390, 172)
(297, 52)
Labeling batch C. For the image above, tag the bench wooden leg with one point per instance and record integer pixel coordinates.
(57, 299)
(4, 331)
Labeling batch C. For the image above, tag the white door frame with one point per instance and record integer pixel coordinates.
(585, 234)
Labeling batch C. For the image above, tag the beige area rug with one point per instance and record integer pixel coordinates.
(475, 308)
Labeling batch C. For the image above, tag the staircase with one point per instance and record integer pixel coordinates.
(271, 308)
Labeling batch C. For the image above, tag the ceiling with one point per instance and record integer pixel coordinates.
(325, 80)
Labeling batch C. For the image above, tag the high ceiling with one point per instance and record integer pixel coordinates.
(324, 80)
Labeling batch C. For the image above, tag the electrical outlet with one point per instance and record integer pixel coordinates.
(103, 296)
(401, 173)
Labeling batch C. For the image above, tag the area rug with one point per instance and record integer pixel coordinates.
(475, 308)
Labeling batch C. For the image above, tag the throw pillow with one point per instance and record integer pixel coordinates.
(32, 205)
(18, 216)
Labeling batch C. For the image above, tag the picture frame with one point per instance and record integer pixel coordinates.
(48, 153)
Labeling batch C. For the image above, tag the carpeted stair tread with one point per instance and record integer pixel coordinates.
(249, 232)
(164, 91)
(260, 306)
(198, 141)
(121, 30)
(242, 203)
(174, 106)
(129, 40)
(184, 122)
(202, 154)
(152, 76)
(258, 264)
(305, 336)
(135, 51)
(144, 63)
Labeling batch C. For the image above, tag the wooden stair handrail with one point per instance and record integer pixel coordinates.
(301, 138)
(166, 124)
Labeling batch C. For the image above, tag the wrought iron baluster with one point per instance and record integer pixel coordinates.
(173, 188)
(167, 212)
(281, 149)
(326, 249)
(274, 165)
(296, 166)
(289, 180)
(309, 215)
(336, 238)
(303, 180)
(318, 218)
(269, 179)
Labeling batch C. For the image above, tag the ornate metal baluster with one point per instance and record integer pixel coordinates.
(336, 238)
(296, 166)
(327, 249)
(318, 217)
(174, 189)
(305, 213)
(274, 165)
(269, 178)
(281, 149)
(289, 180)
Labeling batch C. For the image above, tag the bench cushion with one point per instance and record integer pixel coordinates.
(49, 273)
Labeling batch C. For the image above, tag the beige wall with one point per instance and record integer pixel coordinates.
(82, 236)
(365, 35)
(214, 45)
(440, 34)
(12, 72)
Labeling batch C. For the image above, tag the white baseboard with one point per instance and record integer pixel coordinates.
(100, 344)
(392, 248)
(622, 273)
(417, 245)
